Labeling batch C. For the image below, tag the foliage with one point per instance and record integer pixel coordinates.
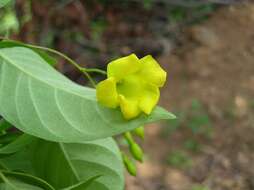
(97, 28)
(4, 2)
(64, 165)
(64, 137)
(199, 187)
(252, 104)
(193, 145)
(193, 14)
(199, 121)
(8, 19)
(44, 93)
(179, 159)
(87, 26)
(197, 124)
(196, 119)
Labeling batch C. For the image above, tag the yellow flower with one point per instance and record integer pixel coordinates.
(133, 84)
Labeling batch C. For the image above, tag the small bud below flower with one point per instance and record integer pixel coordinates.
(140, 132)
(129, 165)
(136, 151)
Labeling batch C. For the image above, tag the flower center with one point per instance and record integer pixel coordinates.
(130, 87)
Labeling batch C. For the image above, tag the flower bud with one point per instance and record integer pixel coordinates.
(140, 132)
(129, 165)
(136, 151)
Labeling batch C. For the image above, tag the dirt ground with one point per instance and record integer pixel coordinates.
(215, 65)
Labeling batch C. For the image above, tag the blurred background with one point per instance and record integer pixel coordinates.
(207, 48)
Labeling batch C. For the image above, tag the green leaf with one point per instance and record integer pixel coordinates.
(20, 181)
(72, 165)
(4, 125)
(4, 2)
(82, 185)
(7, 138)
(15, 146)
(63, 165)
(9, 22)
(9, 43)
(41, 102)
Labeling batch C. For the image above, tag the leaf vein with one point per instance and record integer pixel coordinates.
(62, 112)
(36, 109)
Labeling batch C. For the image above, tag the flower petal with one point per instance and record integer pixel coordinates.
(150, 98)
(129, 108)
(124, 66)
(106, 93)
(152, 72)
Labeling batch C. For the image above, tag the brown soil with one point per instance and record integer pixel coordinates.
(216, 66)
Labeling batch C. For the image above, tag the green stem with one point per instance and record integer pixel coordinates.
(128, 138)
(83, 70)
(95, 71)
(66, 58)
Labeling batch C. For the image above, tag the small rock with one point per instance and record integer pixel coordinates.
(205, 36)
(241, 106)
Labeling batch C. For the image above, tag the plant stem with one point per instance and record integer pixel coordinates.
(128, 137)
(83, 70)
(94, 70)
